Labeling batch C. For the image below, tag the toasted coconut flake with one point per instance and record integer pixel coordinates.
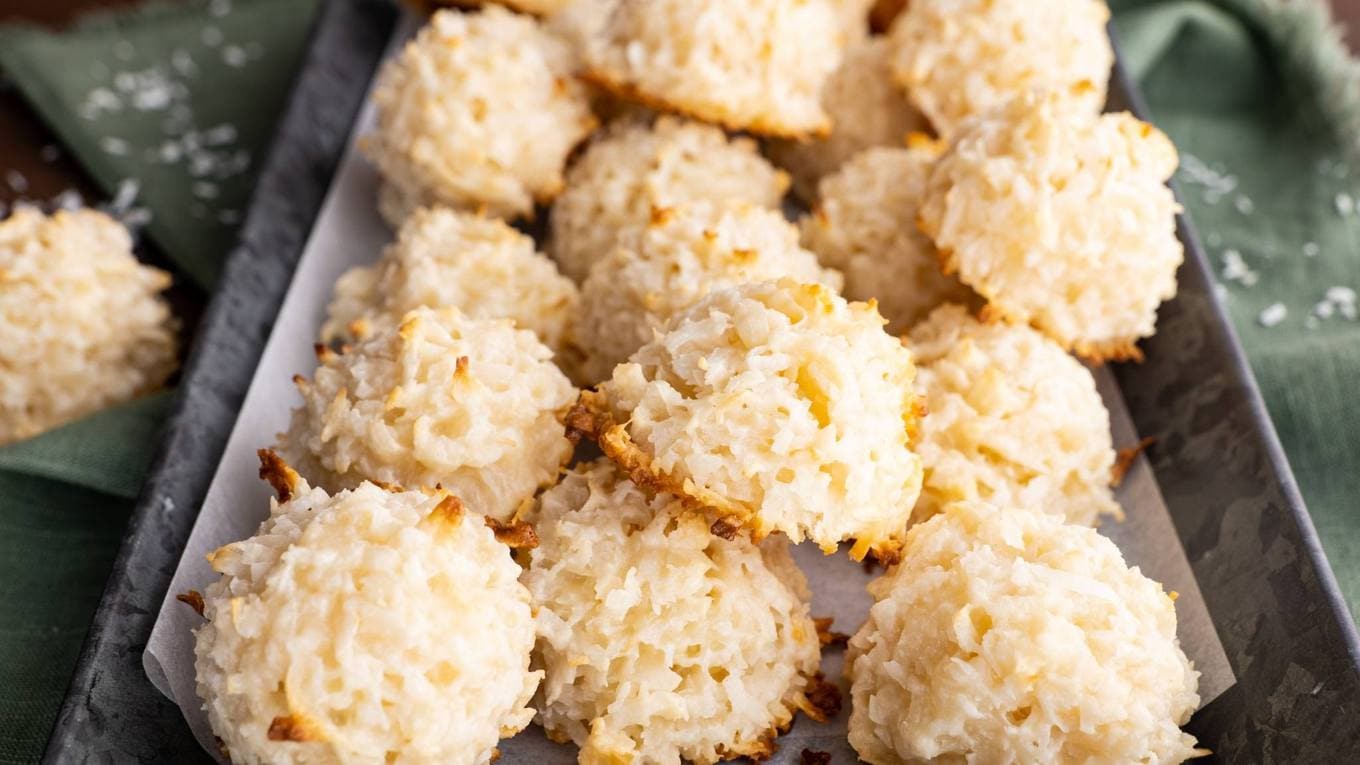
(192, 599)
(828, 636)
(290, 728)
(274, 471)
(1125, 458)
(814, 757)
(517, 535)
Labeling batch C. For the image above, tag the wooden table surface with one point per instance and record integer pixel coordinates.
(24, 138)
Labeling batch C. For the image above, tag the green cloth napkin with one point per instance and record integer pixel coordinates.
(1258, 95)
(182, 99)
(1260, 98)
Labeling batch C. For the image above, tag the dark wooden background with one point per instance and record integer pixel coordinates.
(22, 136)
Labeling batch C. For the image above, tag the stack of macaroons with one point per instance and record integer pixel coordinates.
(932, 416)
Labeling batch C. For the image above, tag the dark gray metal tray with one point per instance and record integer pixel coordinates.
(1274, 603)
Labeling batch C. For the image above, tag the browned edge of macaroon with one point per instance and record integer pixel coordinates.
(590, 418)
(627, 91)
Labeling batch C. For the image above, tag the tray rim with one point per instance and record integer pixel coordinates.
(346, 41)
(83, 724)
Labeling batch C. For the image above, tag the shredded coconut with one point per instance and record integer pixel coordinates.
(634, 167)
(443, 399)
(1007, 635)
(480, 110)
(964, 58)
(864, 224)
(442, 258)
(777, 406)
(1061, 219)
(867, 109)
(366, 627)
(660, 640)
(757, 65)
(659, 269)
(1013, 420)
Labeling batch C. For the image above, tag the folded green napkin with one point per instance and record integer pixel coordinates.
(180, 98)
(1258, 95)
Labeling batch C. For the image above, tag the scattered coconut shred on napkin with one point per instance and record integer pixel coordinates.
(350, 232)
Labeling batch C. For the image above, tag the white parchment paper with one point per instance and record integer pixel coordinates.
(349, 232)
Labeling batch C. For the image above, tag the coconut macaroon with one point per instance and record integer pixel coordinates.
(963, 58)
(867, 108)
(1007, 635)
(662, 642)
(82, 323)
(634, 167)
(367, 626)
(757, 65)
(443, 257)
(443, 399)
(774, 406)
(659, 269)
(1014, 420)
(864, 224)
(478, 112)
(1061, 219)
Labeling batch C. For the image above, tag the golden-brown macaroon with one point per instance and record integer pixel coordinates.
(1061, 219)
(82, 324)
(659, 269)
(1014, 420)
(773, 407)
(442, 399)
(365, 627)
(867, 109)
(634, 167)
(660, 640)
(757, 65)
(478, 112)
(864, 224)
(443, 257)
(964, 58)
(1008, 635)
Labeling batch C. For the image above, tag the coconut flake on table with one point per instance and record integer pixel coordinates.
(1235, 269)
(1214, 180)
(1345, 204)
(1273, 315)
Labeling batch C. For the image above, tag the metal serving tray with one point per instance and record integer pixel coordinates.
(1273, 601)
